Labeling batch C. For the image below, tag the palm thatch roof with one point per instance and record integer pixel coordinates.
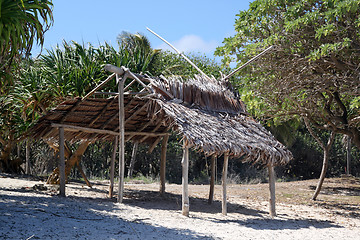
(205, 111)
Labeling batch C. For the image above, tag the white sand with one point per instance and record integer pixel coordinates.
(86, 213)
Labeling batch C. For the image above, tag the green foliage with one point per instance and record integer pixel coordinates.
(312, 72)
(22, 22)
(168, 63)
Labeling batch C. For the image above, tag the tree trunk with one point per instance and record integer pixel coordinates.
(326, 149)
(6, 164)
(323, 174)
(75, 157)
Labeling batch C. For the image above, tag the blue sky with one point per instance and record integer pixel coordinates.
(191, 26)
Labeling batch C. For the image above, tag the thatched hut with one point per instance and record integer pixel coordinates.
(204, 111)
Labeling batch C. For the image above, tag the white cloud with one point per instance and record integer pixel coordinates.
(192, 43)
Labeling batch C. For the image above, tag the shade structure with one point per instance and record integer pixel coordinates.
(206, 112)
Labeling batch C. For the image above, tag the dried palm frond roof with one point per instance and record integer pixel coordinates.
(208, 115)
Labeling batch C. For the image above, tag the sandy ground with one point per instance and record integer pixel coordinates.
(30, 209)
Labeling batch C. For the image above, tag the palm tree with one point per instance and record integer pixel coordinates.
(21, 23)
(138, 49)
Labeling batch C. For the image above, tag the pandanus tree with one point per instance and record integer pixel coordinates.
(74, 69)
(22, 24)
(312, 73)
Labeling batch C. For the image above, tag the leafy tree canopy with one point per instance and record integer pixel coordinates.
(313, 71)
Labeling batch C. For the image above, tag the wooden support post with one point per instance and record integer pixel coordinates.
(212, 179)
(133, 159)
(185, 175)
(163, 164)
(83, 174)
(27, 156)
(62, 161)
(121, 137)
(348, 155)
(224, 178)
(112, 166)
(272, 190)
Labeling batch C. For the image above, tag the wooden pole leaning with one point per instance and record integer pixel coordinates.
(62, 161)
(121, 137)
(181, 54)
(112, 166)
(272, 189)
(163, 164)
(185, 180)
(133, 159)
(224, 178)
(212, 179)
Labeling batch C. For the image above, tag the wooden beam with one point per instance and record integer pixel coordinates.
(112, 166)
(153, 145)
(224, 178)
(154, 130)
(129, 85)
(139, 81)
(136, 112)
(102, 111)
(114, 69)
(72, 128)
(116, 115)
(163, 164)
(73, 108)
(161, 89)
(62, 161)
(140, 130)
(188, 60)
(247, 63)
(272, 190)
(117, 94)
(212, 179)
(121, 138)
(148, 134)
(84, 129)
(185, 180)
(99, 86)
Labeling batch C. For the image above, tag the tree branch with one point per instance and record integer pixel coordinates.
(313, 134)
(2, 141)
(342, 106)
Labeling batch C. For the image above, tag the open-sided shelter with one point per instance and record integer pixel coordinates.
(209, 116)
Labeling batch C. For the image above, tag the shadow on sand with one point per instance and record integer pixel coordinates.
(89, 213)
(53, 217)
